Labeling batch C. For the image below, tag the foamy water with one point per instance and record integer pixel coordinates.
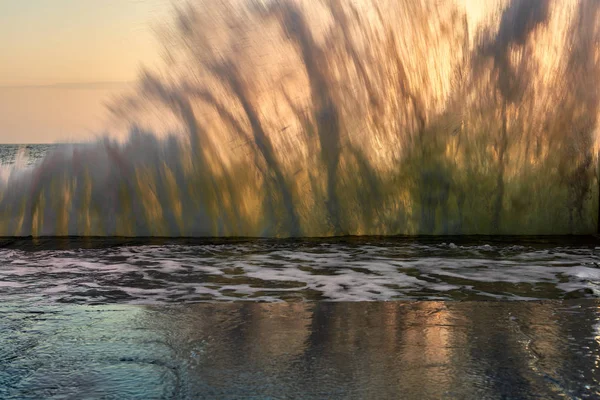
(271, 271)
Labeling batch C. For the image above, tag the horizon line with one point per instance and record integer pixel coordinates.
(74, 85)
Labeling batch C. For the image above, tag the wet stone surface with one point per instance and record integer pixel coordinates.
(425, 350)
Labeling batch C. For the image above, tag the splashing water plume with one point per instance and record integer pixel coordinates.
(339, 117)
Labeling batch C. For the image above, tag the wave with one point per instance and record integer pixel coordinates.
(336, 117)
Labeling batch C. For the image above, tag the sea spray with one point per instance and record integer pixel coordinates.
(335, 117)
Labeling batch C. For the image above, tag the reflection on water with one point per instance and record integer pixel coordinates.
(425, 350)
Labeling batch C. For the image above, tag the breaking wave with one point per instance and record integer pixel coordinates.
(336, 117)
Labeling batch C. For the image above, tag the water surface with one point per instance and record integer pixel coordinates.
(412, 350)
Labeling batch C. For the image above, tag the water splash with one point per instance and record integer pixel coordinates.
(336, 117)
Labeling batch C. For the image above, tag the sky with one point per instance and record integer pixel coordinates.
(62, 60)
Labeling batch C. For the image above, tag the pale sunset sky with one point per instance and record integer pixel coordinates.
(62, 60)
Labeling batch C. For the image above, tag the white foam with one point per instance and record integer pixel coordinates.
(260, 273)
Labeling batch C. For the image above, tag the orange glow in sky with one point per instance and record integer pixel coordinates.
(62, 60)
(74, 42)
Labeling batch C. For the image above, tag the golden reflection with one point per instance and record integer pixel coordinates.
(281, 332)
(369, 350)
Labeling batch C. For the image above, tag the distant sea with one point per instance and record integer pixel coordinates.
(32, 153)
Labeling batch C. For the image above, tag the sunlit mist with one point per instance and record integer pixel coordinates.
(336, 117)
